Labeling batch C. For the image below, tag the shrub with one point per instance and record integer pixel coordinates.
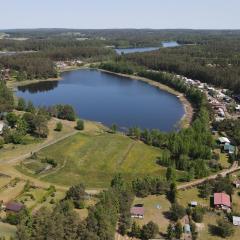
(59, 127)
(80, 125)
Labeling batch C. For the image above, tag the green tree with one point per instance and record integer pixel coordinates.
(178, 230)
(224, 228)
(171, 174)
(12, 119)
(135, 230)
(59, 127)
(114, 128)
(177, 211)
(30, 107)
(172, 193)
(170, 232)
(150, 230)
(80, 125)
(21, 104)
(1, 143)
(76, 194)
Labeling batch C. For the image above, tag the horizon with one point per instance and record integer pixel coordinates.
(159, 15)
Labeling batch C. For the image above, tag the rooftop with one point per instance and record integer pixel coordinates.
(137, 210)
(222, 199)
(14, 206)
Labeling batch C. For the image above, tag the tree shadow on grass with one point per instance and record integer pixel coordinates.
(213, 229)
(167, 215)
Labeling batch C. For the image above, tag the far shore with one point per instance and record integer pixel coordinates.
(188, 109)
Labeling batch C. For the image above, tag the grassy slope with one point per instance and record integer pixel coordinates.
(94, 160)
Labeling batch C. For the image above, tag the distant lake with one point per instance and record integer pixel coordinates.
(109, 99)
(170, 44)
(146, 49)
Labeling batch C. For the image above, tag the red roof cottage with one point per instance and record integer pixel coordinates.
(222, 201)
(137, 212)
(14, 207)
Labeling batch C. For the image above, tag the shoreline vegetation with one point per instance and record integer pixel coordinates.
(184, 122)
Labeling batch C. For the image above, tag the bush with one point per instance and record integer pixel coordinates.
(21, 104)
(198, 214)
(58, 127)
(177, 211)
(12, 119)
(80, 125)
(224, 229)
(149, 230)
(1, 143)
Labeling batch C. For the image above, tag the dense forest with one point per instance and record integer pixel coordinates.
(211, 56)
(216, 62)
(40, 65)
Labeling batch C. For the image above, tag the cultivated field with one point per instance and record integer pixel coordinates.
(94, 160)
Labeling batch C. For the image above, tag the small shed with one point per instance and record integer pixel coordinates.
(187, 228)
(14, 207)
(223, 140)
(236, 183)
(236, 221)
(193, 204)
(230, 149)
(137, 212)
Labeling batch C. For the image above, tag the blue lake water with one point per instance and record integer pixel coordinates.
(109, 99)
(168, 44)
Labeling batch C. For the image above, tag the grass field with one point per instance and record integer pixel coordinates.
(94, 160)
(152, 213)
(7, 230)
(186, 196)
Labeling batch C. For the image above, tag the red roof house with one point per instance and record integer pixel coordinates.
(137, 212)
(222, 200)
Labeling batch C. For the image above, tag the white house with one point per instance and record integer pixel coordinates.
(236, 221)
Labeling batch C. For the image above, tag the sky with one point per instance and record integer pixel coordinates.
(98, 14)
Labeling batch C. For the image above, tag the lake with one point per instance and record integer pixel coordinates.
(109, 99)
(167, 44)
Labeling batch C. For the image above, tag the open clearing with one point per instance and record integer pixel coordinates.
(156, 209)
(93, 160)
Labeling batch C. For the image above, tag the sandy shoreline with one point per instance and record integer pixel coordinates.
(188, 109)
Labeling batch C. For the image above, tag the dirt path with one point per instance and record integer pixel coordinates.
(194, 183)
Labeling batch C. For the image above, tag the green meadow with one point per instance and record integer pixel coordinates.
(93, 160)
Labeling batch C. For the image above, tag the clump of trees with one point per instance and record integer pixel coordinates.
(6, 98)
(77, 195)
(220, 184)
(143, 187)
(148, 231)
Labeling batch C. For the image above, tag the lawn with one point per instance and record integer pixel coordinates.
(7, 230)
(94, 160)
(155, 209)
(9, 193)
(210, 219)
(186, 196)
